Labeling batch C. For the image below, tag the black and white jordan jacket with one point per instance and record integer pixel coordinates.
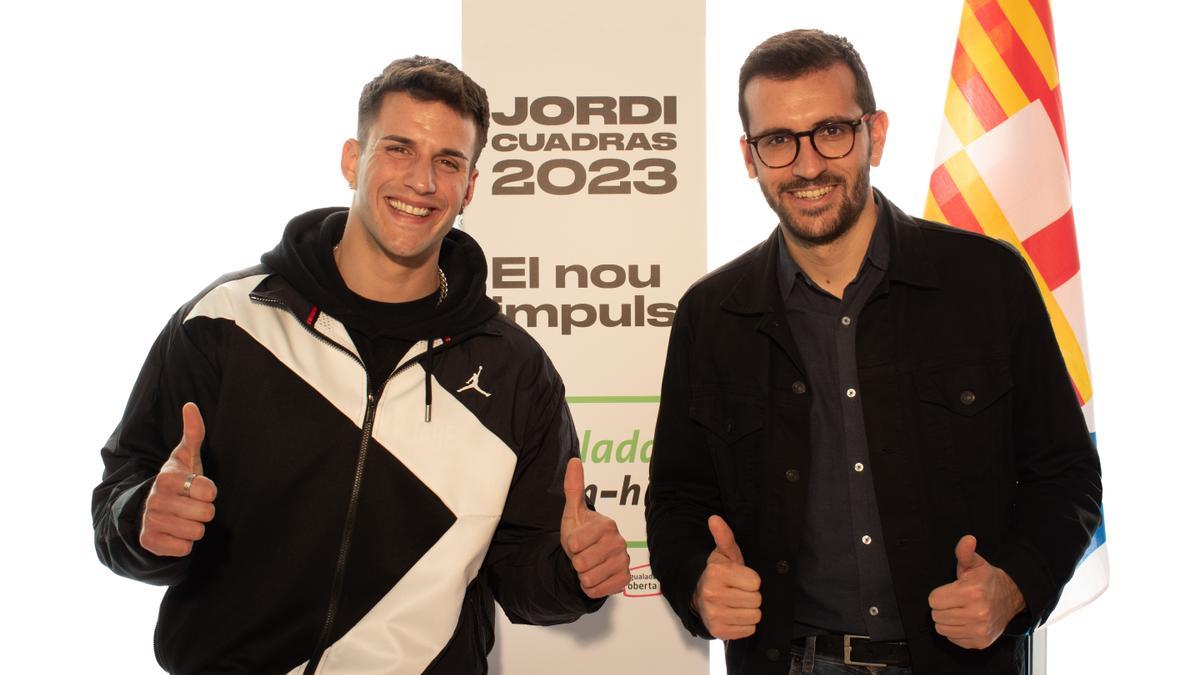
(360, 528)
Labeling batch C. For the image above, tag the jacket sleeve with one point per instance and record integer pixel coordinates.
(175, 372)
(683, 490)
(529, 574)
(1057, 505)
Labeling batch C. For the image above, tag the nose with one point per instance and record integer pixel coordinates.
(809, 163)
(420, 175)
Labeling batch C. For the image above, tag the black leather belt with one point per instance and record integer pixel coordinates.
(859, 650)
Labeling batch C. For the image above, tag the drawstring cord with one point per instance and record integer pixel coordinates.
(429, 380)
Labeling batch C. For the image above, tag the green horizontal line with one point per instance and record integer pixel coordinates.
(612, 399)
(635, 544)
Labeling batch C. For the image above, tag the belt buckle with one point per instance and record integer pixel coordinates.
(846, 648)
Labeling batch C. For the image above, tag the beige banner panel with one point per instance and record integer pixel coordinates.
(591, 208)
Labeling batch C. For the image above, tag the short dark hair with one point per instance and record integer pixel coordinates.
(800, 52)
(426, 79)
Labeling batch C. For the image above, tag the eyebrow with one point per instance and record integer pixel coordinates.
(408, 141)
(786, 130)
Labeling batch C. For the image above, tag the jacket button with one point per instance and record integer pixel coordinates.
(791, 475)
(798, 387)
(772, 654)
(967, 397)
(782, 567)
(728, 426)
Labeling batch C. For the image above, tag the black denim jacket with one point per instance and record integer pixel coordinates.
(973, 427)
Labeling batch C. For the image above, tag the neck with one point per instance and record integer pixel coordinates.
(371, 273)
(834, 265)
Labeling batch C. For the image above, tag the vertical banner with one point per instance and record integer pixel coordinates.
(1002, 170)
(590, 205)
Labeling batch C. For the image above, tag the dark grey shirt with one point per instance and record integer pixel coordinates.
(843, 583)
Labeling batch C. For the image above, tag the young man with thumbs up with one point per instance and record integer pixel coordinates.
(869, 455)
(337, 459)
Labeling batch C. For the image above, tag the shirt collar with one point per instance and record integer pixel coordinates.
(756, 289)
(878, 253)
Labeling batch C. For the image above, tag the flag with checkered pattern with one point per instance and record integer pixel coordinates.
(1002, 169)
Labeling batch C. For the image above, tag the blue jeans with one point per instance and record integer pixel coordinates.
(805, 660)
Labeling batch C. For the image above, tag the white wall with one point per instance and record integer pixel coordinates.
(148, 147)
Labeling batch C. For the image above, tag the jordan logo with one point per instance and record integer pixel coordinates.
(473, 383)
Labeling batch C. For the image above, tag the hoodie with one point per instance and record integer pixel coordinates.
(382, 331)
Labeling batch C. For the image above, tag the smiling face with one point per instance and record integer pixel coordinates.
(412, 175)
(818, 200)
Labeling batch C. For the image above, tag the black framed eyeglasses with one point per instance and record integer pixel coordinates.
(831, 140)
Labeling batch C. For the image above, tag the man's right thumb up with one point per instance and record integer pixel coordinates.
(723, 538)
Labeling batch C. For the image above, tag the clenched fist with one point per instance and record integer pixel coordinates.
(727, 597)
(973, 610)
(181, 498)
(592, 542)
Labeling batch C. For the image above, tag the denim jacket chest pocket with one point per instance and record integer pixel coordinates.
(966, 417)
(734, 428)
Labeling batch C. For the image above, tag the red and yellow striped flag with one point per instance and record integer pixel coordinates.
(1002, 170)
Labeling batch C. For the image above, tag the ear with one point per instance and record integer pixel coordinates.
(350, 150)
(748, 158)
(878, 126)
(470, 189)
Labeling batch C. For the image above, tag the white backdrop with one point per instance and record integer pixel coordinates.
(662, 230)
(148, 147)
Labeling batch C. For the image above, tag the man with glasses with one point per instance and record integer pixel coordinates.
(869, 455)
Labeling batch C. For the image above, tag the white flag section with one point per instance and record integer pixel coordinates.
(591, 207)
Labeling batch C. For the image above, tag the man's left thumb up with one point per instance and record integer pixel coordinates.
(964, 553)
(573, 491)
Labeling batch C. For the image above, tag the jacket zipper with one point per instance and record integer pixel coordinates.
(339, 574)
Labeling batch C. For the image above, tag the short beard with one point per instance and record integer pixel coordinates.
(847, 214)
